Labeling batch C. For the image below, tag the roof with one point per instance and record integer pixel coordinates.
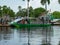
(19, 19)
(55, 20)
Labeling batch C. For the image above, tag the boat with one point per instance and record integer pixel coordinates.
(28, 25)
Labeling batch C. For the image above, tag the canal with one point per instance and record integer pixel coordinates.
(30, 36)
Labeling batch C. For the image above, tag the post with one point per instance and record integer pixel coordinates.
(2, 16)
(28, 20)
(46, 13)
(27, 8)
(46, 6)
(28, 36)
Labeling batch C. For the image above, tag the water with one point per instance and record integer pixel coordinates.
(33, 36)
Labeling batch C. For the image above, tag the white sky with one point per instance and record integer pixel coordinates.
(13, 4)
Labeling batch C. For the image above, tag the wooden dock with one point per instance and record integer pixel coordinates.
(4, 25)
(55, 23)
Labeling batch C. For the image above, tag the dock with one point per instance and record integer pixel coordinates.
(4, 25)
(55, 23)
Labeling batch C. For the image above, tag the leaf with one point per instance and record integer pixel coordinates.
(23, 0)
(59, 1)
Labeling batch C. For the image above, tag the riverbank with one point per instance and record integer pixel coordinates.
(4, 25)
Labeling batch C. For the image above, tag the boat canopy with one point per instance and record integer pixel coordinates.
(19, 19)
(16, 20)
(55, 20)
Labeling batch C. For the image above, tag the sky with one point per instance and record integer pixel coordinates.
(13, 4)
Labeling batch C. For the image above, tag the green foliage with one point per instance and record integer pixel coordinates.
(38, 11)
(32, 12)
(59, 1)
(22, 12)
(43, 2)
(27, 0)
(11, 13)
(4, 10)
(0, 11)
(56, 14)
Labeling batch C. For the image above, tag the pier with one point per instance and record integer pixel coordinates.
(4, 25)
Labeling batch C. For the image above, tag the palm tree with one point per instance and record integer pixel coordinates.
(0, 7)
(4, 10)
(0, 10)
(28, 16)
(19, 7)
(44, 2)
(59, 1)
(27, 7)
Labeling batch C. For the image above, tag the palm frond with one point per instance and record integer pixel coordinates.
(23, 0)
(59, 1)
(43, 2)
(48, 1)
(28, 0)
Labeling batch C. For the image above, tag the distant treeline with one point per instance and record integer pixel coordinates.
(4, 10)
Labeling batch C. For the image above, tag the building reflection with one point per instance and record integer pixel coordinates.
(5, 33)
(59, 43)
(35, 36)
(47, 34)
(23, 36)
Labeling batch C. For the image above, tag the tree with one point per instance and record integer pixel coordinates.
(59, 1)
(0, 11)
(11, 13)
(22, 12)
(8, 11)
(44, 2)
(27, 7)
(4, 10)
(0, 7)
(31, 11)
(19, 13)
(56, 14)
(19, 7)
(38, 11)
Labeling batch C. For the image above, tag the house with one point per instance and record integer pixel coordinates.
(45, 18)
(5, 19)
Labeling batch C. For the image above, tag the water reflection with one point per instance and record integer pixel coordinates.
(35, 36)
(5, 34)
(47, 35)
(31, 36)
(56, 36)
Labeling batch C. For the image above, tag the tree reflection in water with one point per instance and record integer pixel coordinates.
(33, 35)
(47, 33)
(24, 34)
(5, 33)
(59, 43)
(37, 36)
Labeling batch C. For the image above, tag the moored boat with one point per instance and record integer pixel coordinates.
(22, 22)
